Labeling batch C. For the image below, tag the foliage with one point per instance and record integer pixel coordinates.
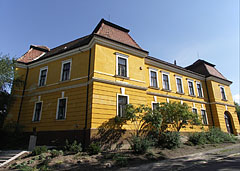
(39, 150)
(55, 153)
(94, 148)
(73, 148)
(237, 110)
(169, 140)
(24, 167)
(139, 145)
(177, 115)
(120, 160)
(198, 138)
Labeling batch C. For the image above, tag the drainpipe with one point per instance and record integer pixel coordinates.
(85, 127)
(209, 102)
(23, 92)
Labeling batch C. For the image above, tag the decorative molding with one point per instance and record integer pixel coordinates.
(225, 82)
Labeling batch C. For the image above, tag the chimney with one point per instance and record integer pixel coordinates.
(175, 62)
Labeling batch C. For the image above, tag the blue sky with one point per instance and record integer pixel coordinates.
(182, 30)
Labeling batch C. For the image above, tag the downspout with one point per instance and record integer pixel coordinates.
(209, 103)
(86, 115)
(23, 92)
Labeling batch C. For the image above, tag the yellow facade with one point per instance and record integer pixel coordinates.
(99, 83)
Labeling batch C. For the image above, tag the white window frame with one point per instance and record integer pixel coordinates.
(40, 71)
(58, 108)
(156, 71)
(153, 102)
(64, 62)
(117, 100)
(119, 55)
(206, 115)
(221, 86)
(197, 82)
(194, 94)
(179, 77)
(35, 109)
(169, 83)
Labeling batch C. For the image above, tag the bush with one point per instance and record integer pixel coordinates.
(198, 138)
(169, 140)
(140, 145)
(94, 148)
(39, 150)
(55, 153)
(120, 160)
(73, 148)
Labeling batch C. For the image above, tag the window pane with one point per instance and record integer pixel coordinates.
(191, 90)
(204, 117)
(122, 102)
(199, 88)
(194, 110)
(61, 109)
(43, 77)
(122, 67)
(165, 82)
(179, 85)
(154, 106)
(223, 93)
(37, 112)
(153, 79)
(66, 71)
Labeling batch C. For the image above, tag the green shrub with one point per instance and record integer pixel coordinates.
(120, 160)
(73, 148)
(94, 148)
(140, 145)
(39, 150)
(169, 140)
(55, 153)
(198, 138)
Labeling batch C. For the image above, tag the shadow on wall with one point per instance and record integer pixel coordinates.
(110, 133)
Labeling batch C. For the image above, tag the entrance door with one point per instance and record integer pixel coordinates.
(228, 123)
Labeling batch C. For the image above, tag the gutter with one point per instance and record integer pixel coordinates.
(23, 92)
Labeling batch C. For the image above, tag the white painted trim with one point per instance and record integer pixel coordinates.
(197, 82)
(221, 86)
(153, 102)
(179, 77)
(99, 72)
(156, 71)
(65, 62)
(188, 80)
(117, 100)
(40, 71)
(119, 55)
(35, 111)
(58, 108)
(169, 82)
(206, 115)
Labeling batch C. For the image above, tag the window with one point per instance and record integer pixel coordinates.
(165, 80)
(37, 112)
(66, 70)
(194, 110)
(191, 88)
(154, 105)
(199, 89)
(42, 76)
(121, 105)
(122, 65)
(179, 84)
(204, 117)
(153, 79)
(223, 93)
(62, 108)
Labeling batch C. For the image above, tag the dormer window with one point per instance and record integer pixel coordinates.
(122, 65)
(66, 70)
(42, 76)
(222, 90)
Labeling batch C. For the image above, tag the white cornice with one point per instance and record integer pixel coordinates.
(173, 69)
(225, 82)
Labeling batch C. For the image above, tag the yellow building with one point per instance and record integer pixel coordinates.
(71, 90)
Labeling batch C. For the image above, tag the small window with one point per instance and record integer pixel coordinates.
(166, 82)
(191, 88)
(61, 112)
(122, 102)
(179, 85)
(223, 93)
(154, 105)
(66, 69)
(37, 111)
(194, 110)
(204, 117)
(42, 76)
(199, 89)
(153, 78)
(122, 65)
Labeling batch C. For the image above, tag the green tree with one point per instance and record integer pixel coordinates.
(237, 110)
(177, 115)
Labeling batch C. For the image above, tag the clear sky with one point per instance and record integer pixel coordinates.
(182, 30)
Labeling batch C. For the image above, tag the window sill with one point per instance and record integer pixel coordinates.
(118, 76)
(166, 90)
(192, 95)
(64, 81)
(180, 93)
(156, 88)
(61, 119)
(35, 121)
(200, 97)
(224, 100)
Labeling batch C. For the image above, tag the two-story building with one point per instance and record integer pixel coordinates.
(71, 90)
